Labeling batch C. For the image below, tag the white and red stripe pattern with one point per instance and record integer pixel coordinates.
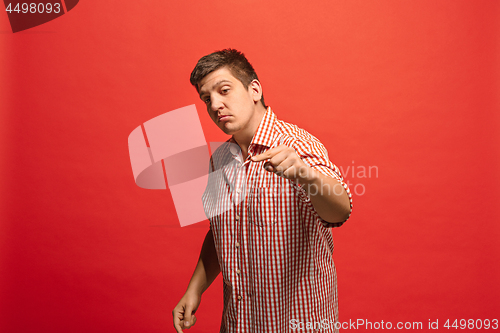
(274, 252)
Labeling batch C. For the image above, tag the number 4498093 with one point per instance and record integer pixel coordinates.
(34, 8)
(472, 324)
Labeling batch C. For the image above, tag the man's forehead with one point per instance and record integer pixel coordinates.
(216, 78)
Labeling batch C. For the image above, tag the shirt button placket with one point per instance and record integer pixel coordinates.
(237, 271)
(239, 191)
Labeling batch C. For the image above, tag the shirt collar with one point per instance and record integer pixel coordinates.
(265, 134)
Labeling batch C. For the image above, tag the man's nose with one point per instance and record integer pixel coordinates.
(216, 103)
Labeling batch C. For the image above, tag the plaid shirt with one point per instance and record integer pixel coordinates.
(275, 254)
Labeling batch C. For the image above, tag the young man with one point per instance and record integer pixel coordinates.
(272, 196)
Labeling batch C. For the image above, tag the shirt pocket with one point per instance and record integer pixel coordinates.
(262, 206)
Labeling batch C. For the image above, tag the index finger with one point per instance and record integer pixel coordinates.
(177, 326)
(267, 154)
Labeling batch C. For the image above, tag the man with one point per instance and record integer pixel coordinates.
(271, 198)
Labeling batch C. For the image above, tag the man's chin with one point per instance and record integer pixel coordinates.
(228, 130)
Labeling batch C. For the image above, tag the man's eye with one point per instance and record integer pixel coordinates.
(206, 100)
(225, 91)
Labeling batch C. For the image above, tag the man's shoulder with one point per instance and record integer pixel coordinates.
(295, 135)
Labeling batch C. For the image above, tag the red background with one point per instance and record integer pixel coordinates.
(411, 87)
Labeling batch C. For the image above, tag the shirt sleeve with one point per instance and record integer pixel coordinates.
(315, 155)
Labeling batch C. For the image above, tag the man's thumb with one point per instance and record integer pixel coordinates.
(189, 318)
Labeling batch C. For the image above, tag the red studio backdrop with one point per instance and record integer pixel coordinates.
(404, 95)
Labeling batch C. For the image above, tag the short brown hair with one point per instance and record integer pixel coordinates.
(234, 60)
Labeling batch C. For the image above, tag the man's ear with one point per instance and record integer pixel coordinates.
(256, 90)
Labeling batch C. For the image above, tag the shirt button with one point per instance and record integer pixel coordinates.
(237, 244)
(238, 191)
(237, 217)
(238, 271)
(240, 298)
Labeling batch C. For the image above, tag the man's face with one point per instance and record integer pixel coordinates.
(230, 105)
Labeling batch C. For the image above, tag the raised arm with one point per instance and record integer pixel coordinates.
(328, 196)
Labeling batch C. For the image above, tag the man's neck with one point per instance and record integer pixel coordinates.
(244, 138)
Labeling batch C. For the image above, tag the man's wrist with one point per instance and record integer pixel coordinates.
(307, 176)
(195, 290)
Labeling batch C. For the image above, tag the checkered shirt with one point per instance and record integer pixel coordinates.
(274, 253)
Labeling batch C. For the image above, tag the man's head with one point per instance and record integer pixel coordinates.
(228, 85)
(233, 60)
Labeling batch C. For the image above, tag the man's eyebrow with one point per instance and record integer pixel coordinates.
(218, 83)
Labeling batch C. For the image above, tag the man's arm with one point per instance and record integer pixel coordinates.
(328, 196)
(204, 274)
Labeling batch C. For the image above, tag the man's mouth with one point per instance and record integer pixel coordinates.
(223, 117)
